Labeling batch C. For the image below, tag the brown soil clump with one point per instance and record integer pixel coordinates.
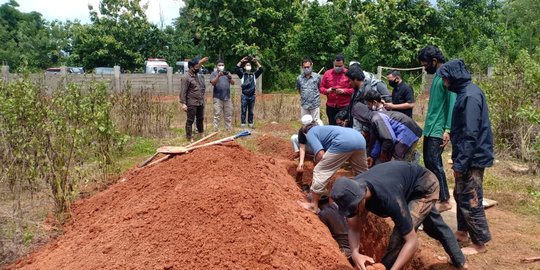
(275, 147)
(220, 207)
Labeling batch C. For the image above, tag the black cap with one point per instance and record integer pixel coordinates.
(347, 194)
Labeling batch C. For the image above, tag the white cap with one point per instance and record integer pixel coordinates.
(306, 119)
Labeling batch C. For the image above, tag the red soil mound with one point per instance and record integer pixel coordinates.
(275, 147)
(220, 207)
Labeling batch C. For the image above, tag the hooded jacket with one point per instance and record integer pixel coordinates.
(471, 135)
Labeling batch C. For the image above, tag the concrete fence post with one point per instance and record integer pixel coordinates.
(5, 73)
(117, 79)
(63, 70)
(170, 79)
(379, 72)
(490, 72)
(258, 84)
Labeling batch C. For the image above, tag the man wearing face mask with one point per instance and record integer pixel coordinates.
(402, 95)
(222, 81)
(438, 122)
(244, 70)
(335, 85)
(307, 85)
(192, 96)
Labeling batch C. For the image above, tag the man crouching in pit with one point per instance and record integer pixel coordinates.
(405, 192)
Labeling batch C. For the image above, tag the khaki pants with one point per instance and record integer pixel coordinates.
(331, 162)
(315, 113)
(222, 108)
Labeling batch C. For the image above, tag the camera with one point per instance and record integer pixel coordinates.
(225, 73)
(250, 58)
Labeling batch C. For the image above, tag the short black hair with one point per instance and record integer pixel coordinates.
(193, 62)
(355, 73)
(394, 72)
(342, 115)
(339, 57)
(220, 61)
(429, 52)
(305, 60)
(373, 95)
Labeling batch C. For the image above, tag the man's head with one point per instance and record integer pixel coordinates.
(220, 65)
(373, 99)
(356, 76)
(342, 118)
(339, 62)
(454, 74)
(307, 66)
(431, 58)
(354, 63)
(192, 64)
(394, 77)
(349, 196)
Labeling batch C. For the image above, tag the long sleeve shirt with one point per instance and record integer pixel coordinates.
(191, 90)
(336, 80)
(440, 107)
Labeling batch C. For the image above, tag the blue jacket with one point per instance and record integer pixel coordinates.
(393, 132)
(471, 135)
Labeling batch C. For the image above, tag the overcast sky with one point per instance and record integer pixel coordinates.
(78, 9)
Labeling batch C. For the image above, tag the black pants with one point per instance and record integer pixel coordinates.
(331, 113)
(192, 113)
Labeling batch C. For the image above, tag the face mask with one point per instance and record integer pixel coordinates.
(221, 68)
(373, 108)
(248, 68)
(430, 69)
(338, 69)
(307, 71)
(196, 70)
(393, 83)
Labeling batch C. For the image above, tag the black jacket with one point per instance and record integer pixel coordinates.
(471, 135)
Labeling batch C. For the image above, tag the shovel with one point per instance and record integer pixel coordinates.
(174, 150)
(144, 163)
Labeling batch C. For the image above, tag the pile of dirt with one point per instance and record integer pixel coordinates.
(275, 147)
(220, 207)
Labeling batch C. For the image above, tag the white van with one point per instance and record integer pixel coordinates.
(156, 66)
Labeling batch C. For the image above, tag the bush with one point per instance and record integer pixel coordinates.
(51, 139)
(514, 102)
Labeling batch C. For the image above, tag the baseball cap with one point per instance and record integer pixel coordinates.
(306, 119)
(347, 194)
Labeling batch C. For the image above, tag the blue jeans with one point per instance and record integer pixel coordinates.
(433, 162)
(247, 106)
(423, 212)
(469, 196)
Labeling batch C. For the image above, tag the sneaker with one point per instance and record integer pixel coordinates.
(243, 125)
(250, 125)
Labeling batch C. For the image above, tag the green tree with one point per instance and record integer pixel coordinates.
(391, 32)
(120, 34)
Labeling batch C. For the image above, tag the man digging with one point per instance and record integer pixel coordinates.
(406, 193)
(332, 146)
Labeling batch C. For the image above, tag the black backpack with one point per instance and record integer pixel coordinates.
(248, 85)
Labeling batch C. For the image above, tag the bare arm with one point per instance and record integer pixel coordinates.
(354, 242)
(302, 157)
(408, 250)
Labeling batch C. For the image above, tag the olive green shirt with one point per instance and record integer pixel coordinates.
(440, 107)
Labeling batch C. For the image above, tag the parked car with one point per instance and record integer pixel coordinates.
(104, 71)
(75, 70)
(52, 71)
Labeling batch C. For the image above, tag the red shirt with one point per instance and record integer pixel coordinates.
(332, 79)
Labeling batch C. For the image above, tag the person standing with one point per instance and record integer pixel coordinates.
(405, 192)
(438, 122)
(472, 152)
(244, 70)
(402, 94)
(335, 85)
(308, 84)
(222, 81)
(192, 97)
